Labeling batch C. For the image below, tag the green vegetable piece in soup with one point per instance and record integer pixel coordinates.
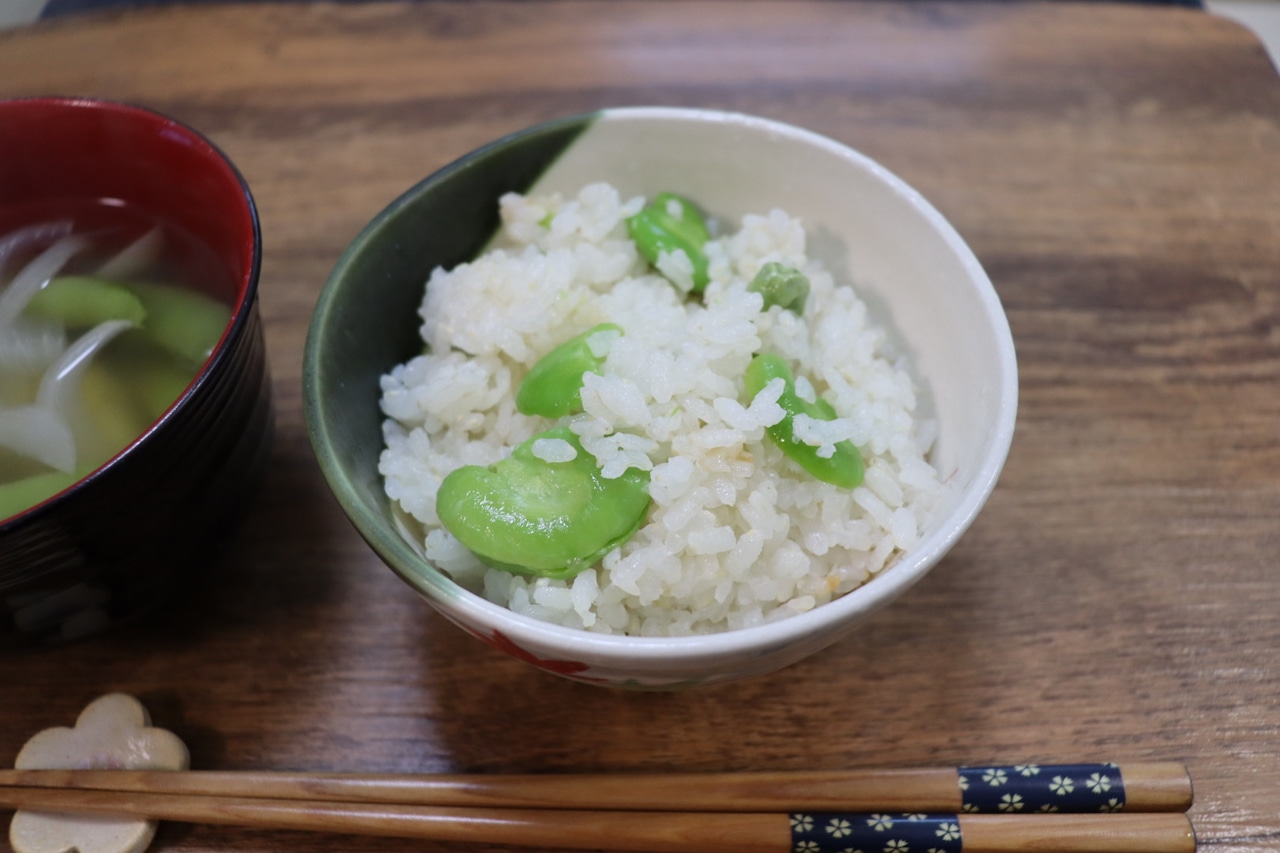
(670, 223)
(527, 515)
(107, 400)
(21, 495)
(781, 285)
(844, 467)
(182, 321)
(80, 301)
(158, 384)
(553, 386)
(186, 323)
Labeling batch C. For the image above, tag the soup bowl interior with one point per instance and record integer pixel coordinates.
(917, 276)
(136, 528)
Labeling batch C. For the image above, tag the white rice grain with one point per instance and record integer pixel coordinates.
(737, 535)
(554, 450)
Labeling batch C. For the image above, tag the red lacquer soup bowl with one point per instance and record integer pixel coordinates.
(135, 408)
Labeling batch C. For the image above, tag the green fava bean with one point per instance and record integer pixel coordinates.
(186, 323)
(81, 301)
(548, 519)
(844, 467)
(668, 223)
(26, 493)
(781, 285)
(155, 376)
(553, 386)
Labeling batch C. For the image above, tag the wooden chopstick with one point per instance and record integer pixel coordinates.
(656, 832)
(1139, 787)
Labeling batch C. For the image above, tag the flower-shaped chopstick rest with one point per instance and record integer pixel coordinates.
(113, 733)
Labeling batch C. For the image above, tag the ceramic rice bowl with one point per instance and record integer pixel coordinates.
(920, 282)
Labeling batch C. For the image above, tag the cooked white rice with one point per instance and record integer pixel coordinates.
(737, 534)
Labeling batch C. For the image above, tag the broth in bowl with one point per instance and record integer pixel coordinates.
(106, 316)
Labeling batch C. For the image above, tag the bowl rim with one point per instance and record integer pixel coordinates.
(240, 310)
(586, 645)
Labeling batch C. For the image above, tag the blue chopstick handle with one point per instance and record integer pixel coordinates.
(1014, 789)
(822, 832)
(1041, 788)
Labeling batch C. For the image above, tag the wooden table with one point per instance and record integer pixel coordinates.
(1115, 167)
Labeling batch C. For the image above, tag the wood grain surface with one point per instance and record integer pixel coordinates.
(1115, 167)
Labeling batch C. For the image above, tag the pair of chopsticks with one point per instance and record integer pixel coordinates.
(761, 812)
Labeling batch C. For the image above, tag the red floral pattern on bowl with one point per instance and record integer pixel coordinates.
(503, 643)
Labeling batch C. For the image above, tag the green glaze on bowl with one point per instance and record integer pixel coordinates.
(442, 221)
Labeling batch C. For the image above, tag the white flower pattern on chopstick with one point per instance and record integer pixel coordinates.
(1068, 788)
(1013, 789)
(1011, 803)
(995, 777)
(839, 827)
(911, 832)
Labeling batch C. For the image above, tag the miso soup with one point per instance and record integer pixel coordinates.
(106, 316)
